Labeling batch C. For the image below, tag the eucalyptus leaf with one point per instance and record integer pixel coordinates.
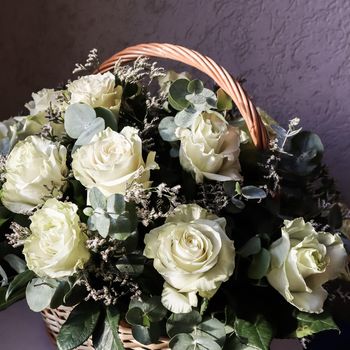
(79, 325)
(146, 335)
(253, 192)
(167, 128)
(93, 129)
(195, 86)
(108, 116)
(185, 118)
(116, 204)
(136, 317)
(78, 118)
(102, 224)
(97, 198)
(182, 323)
(252, 247)
(18, 264)
(39, 294)
(224, 102)
(260, 264)
(186, 341)
(213, 329)
(177, 94)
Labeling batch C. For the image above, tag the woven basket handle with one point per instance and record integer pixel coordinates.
(205, 64)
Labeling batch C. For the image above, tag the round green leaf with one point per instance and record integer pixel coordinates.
(39, 294)
(177, 94)
(195, 86)
(182, 323)
(253, 192)
(167, 128)
(78, 118)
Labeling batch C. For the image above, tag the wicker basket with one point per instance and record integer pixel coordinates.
(55, 318)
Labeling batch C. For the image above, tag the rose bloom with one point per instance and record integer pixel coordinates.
(56, 247)
(35, 169)
(112, 161)
(302, 260)
(45, 100)
(96, 90)
(192, 253)
(210, 149)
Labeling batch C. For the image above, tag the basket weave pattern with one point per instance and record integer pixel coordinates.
(54, 319)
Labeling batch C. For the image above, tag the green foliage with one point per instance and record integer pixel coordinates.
(111, 216)
(16, 263)
(309, 324)
(145, 319)
(132, 264)
(177, 94)
(58, 297)
(79, 326)
(224, 101)
(189, 331)
(39, 293)
(78, 118)
(260, 264)
(167, 129)
(307, 150)
(253, 192)
(257, 334)
(106, 336)
(6, 302)
(4, 215)
(81, 123)
(18, 284)
(251, 247)
(108, 116)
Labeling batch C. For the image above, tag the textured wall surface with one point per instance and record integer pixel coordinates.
(293, 53)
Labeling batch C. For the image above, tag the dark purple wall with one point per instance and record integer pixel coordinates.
(294, 53)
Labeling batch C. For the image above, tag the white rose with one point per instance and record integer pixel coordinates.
(302, 260)
(35, 169)
(44, 100)
(97, 90)
(192, 253)
(56, 247)
(112, 161)
(210, 149)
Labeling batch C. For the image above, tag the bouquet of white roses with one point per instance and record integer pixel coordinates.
(160, 207)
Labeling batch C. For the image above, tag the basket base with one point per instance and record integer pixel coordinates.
(54, 319)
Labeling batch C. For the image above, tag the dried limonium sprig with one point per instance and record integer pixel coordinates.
(212, 197)
(105, 247)
(150, 128)
(140, 70)
(276, 147)
(91, 63)
(3, 160)
(18, 235)
(154, 202)
(109, 284)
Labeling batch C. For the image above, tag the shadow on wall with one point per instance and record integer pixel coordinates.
(294, 54)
